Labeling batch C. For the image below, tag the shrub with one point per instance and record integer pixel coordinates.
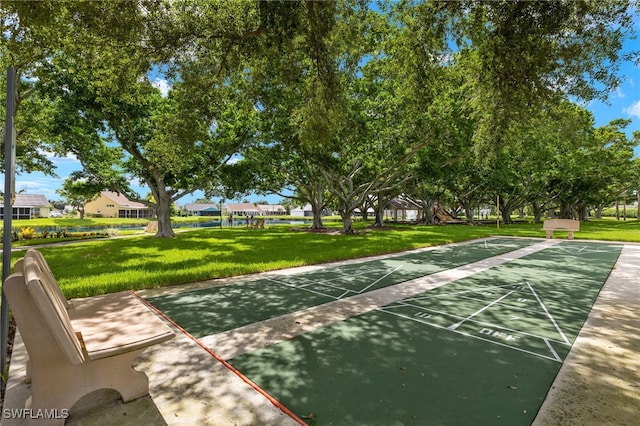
(28, 233)
(632, 212)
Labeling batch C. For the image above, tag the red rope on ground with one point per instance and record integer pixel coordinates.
(225, 363)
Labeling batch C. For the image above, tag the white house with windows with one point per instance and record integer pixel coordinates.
(28, 206)
(306, 211)
(249, 209)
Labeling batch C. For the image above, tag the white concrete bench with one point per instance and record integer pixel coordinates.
(78, 346)
(570, 225)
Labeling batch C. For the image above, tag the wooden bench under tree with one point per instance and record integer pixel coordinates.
(569, 225)
(81, 345)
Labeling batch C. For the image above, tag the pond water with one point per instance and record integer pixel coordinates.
(208, 224)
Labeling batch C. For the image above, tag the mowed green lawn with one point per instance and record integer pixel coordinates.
(104, 266)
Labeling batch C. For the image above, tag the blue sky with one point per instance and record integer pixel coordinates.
(624, 102)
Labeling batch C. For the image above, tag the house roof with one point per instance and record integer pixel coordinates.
(121, 201)
(197, 207)
(404, 204)
(242, 207)
(31, 200)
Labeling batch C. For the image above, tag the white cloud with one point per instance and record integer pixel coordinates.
(55, 157)
(37, 183)
(162, 85)
(633, 110)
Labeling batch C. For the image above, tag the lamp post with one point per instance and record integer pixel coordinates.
(9, 194)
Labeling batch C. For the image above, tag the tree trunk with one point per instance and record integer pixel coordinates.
(582, 212)
(426, 208)
(364, 213)
(598, 212)
(163, 205)
(506, 216)
(468, 211)
(567, 211)
(316, 208)
(379, 218)
(164, 225)
(347, 224)
(505, 211)
(537, 212)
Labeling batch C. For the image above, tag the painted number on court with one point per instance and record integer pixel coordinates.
(498, 334)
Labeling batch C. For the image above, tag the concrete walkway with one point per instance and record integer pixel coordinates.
(598, 383)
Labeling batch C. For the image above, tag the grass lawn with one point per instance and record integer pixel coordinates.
(103, 266)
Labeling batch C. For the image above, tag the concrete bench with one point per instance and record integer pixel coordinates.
(570, 225)
(81, 345)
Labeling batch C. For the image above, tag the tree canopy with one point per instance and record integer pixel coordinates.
(345, 103)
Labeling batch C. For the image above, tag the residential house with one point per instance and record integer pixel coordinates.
(242, 209)
(249, 209)
(302, 211)
(113, 204)
(272, 210)
(306, 211)
(196, 209)
(29, 206)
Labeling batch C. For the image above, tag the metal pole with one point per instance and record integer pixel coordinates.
(9, 190)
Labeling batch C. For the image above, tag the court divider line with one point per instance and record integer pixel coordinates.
(232, 343)
(553, 320)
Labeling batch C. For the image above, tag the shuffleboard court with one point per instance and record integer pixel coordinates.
(481, 350)
(213, 310)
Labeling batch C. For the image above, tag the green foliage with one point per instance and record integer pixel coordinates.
(336, 101)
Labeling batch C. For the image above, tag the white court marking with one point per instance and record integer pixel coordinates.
(369, 275)
(500, 333)
(326, 285)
